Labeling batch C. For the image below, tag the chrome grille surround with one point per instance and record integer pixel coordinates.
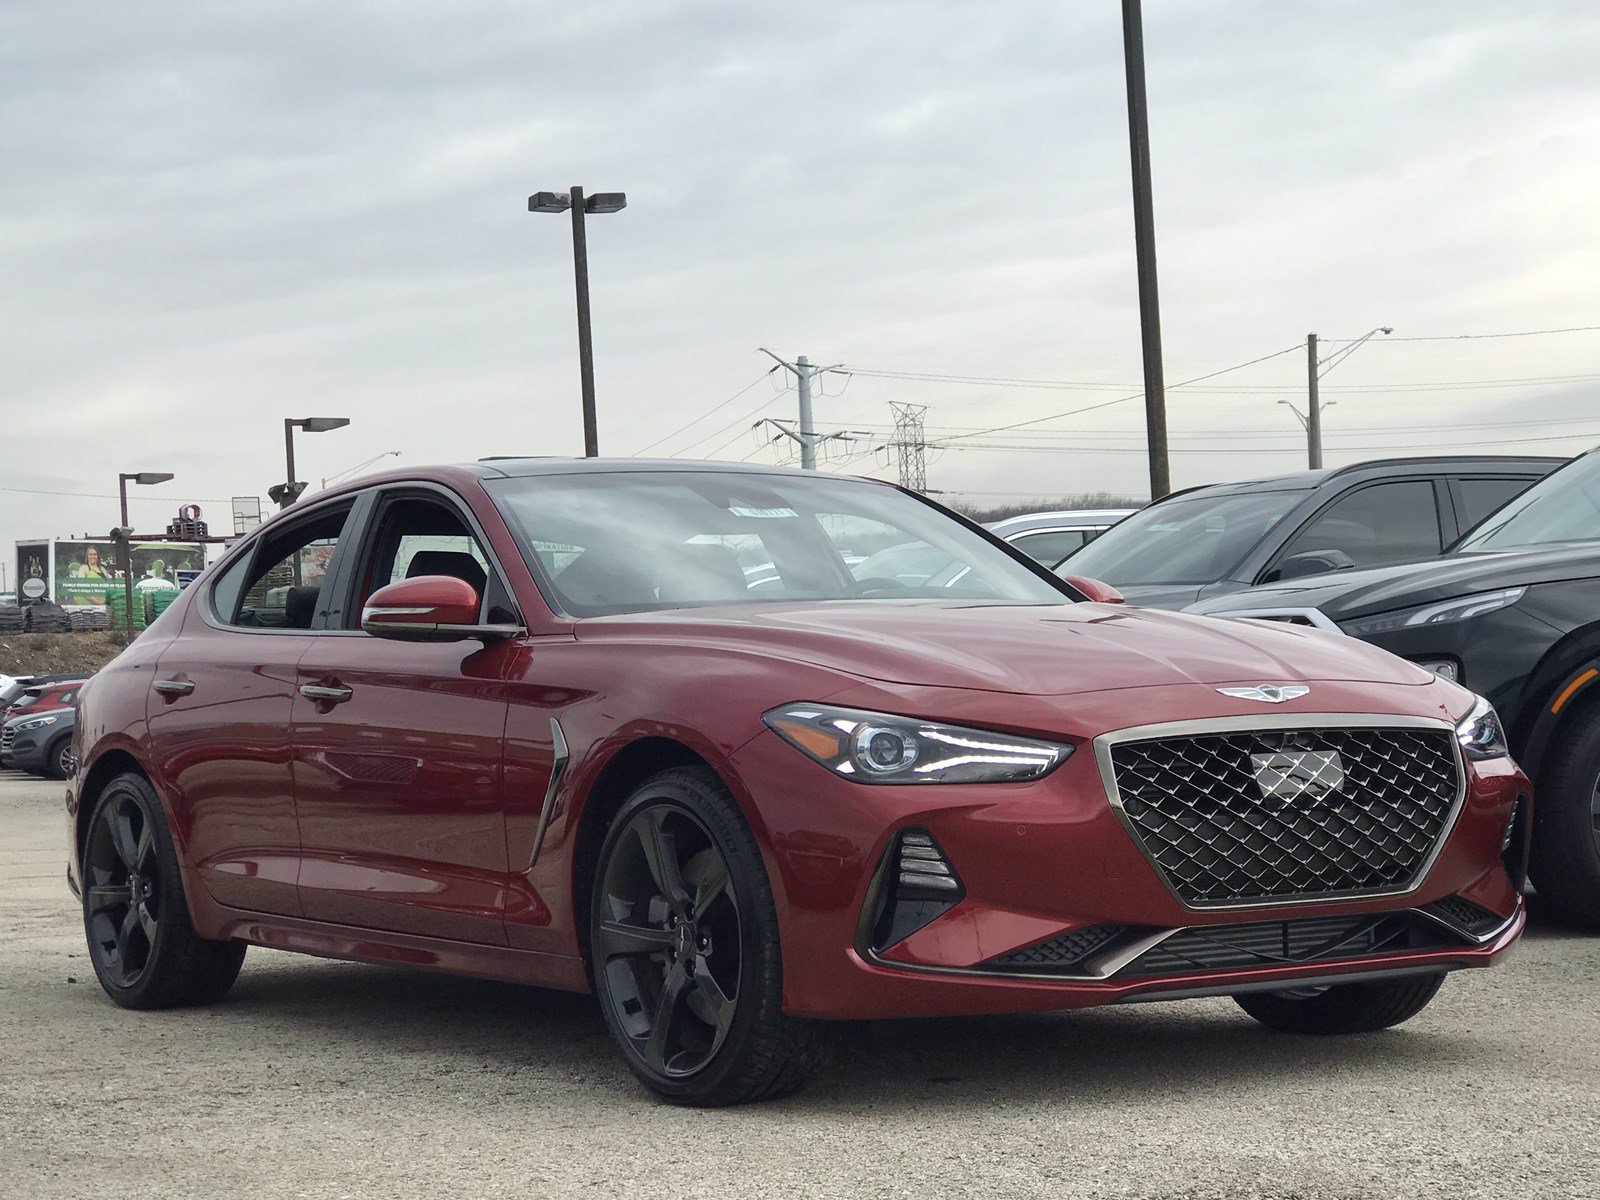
(1229, 846)
(7, 738)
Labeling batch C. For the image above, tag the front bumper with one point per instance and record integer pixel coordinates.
(1045, 860)
(29, 752)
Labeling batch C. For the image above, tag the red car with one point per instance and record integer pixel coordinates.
(637, 728)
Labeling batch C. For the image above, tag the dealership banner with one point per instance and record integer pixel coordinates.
(84, 573)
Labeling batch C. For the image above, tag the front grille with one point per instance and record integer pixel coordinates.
(7, 737)
(1288, 943)
(1059, 953)
(1285, 814)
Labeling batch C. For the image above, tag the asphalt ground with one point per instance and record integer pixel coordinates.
(326, 1079)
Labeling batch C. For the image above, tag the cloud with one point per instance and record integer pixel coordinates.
(217, 216)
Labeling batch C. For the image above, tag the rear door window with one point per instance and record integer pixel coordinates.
(1380, 523)
(1477, 497)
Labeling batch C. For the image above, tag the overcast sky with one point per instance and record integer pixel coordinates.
(215, 216)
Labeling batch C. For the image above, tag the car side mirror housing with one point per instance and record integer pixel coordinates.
(429, 608)
(1099, 593)
(1314, 562)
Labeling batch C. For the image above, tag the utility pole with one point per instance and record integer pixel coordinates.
(1313, 406)
(808, 448)
(1316, 368)
(910, 445)
(1144, 240)
(804, 371)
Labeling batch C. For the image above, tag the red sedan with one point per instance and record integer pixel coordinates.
(641, 728)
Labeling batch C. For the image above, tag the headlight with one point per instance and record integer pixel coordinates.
(875, 748)
(36, 723)
(1480, 734)
(1443, 613)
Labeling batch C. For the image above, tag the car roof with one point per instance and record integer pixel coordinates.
(1061, 516)
(1377, 467)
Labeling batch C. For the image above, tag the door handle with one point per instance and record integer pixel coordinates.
(325, 693)
(173, 687)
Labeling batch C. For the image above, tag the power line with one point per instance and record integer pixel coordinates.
(1465, 337)
(1446, 385)
(1136, 395)
(707, 413)
(1435, 447)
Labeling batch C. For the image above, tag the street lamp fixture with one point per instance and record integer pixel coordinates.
(123, 534)
(288, 492)
(578, 205)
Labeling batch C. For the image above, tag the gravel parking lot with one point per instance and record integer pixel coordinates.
(325, 1079)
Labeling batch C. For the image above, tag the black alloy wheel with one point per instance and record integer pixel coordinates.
(668, 939)
(121, 900)
(142, 944)
(683, 945)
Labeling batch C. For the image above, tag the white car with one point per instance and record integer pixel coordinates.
(1049, 537)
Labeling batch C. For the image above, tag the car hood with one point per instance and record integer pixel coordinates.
(1157, 595)
(1346, 595)
(1046, 649)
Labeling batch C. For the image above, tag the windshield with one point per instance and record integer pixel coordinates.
(637, 541)
(1196, 540)
(1563, 507)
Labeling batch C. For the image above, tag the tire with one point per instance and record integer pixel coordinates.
(145, 951)
(665, 965)
(1565, 858)
(58, 758)
(1343, 1008)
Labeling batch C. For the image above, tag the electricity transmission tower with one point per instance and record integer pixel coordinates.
(806, 435)
(910, 446)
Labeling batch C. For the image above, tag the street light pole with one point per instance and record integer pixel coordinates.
(125, 535)
(287, 492)
(579, 205)
(1144, 240)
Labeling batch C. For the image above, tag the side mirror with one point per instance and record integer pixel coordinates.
(429, 608)
(1099, 593)
(1314, 562)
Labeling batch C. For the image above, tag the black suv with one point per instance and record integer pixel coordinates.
(1209, 541)
(1513, 612)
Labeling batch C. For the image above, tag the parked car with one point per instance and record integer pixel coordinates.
(1048, 537)
(1512, 613)
(39, 741)
(529, 719)
(41, 695)
(1210, 541)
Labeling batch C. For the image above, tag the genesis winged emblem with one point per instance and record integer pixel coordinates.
(1268, 693)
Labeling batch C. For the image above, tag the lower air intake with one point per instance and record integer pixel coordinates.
(918, 885)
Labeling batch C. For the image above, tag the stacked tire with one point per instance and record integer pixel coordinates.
(12, 619)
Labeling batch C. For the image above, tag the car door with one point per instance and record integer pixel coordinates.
(398, 746)
(218, 715)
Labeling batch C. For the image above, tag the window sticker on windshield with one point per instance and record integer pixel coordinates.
(740, 510)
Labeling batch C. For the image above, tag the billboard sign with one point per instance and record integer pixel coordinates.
(33, 571)
(85, 572)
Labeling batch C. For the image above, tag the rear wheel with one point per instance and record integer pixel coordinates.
(145, 952)
(683, 938)
(1565, 861)
(1342, 1008)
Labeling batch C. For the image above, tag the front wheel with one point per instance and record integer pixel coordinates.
(1565, 863)
(683, 939)
(145, 952)
(1344, 1007)
(59, 759)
